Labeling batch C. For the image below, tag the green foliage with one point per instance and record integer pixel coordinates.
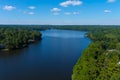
(100, 60)
(13, 38)
(115, 76)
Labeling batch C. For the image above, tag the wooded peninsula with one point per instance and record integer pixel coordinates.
(16, 38)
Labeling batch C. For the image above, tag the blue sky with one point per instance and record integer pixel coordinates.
(60, 12)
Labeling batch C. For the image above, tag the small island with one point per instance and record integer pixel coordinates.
(12, 38)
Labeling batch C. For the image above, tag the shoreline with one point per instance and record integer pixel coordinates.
(23, 46)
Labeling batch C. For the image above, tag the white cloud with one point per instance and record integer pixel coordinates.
(111, 1)
(31, 13)
(75, 13)
(55, 9)
(9, 8)
(67, 13)
(31, 7)
(107, 11)
(71, 2)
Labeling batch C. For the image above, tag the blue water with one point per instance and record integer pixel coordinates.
(52, 58)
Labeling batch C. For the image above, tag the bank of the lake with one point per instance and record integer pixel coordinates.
(17, 38)
(52, 58)
(101, 59)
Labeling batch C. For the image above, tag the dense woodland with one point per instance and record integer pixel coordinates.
(101, 60)
(15, 38)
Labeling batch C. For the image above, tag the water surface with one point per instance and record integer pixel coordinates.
(52, 58)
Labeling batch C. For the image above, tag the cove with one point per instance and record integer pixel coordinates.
(53, 58)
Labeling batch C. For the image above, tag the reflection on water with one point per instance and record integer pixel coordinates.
(51, 59)
(63, 34)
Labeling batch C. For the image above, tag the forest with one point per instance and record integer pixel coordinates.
(101, 60)
(16, 38)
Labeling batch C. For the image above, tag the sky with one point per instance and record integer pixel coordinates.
(60, 12)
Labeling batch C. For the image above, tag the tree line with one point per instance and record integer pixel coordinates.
(101, 60)
(15, 38)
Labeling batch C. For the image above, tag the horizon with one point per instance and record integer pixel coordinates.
(51, 25)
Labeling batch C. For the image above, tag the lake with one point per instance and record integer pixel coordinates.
(53, 58)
